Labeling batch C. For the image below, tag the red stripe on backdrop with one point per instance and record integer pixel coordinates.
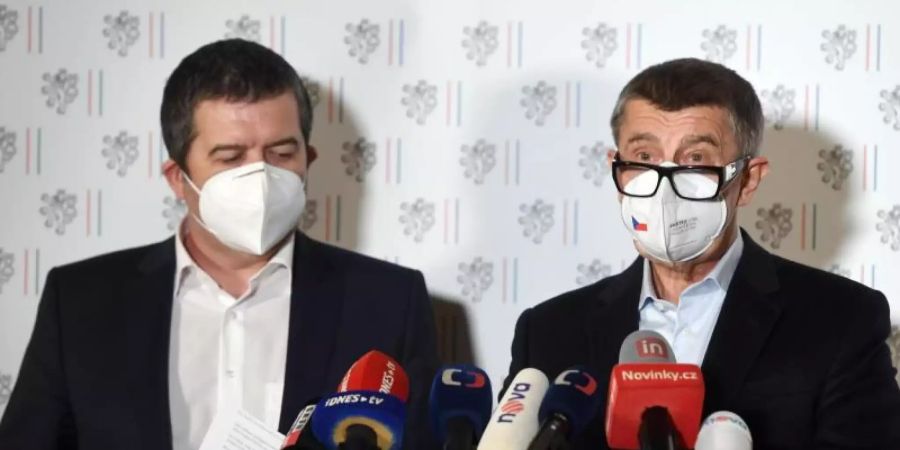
(150, 34)
(509, 44)
(327, 218)
(87, 214)
(506, 165)
(868, 45)
(803, 227)
(330, 100)
(25, 272)
(504, 280)
(90, 93)
(806, 109)
(748, 47)
(391, 43)
(628, 47)
(456, 221)
(387, 161)
(28, 151)
(449, 88)
(865, 167)
(150, 155)
(446, 221)
(29, 29)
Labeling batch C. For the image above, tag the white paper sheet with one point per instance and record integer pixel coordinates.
(238, 430)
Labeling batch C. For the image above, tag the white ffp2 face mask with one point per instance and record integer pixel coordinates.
(669, 228)
(252, 207)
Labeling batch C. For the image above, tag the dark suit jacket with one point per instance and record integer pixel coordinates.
(95, 373)
(798, 353)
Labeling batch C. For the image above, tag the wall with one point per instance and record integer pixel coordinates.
(465, 138)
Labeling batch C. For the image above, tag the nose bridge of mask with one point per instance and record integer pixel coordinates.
(674, 209)
(669, 205)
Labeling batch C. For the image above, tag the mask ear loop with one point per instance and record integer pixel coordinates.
(196, 218)
(186, 177)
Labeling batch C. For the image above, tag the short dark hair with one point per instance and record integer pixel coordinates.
(231, 69)
(683, 83)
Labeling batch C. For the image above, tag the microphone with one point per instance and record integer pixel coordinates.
(376, 371)
(515, 421)
(298, 436)
(461, 400)
(654, 403)
(368, 412)
(571, 402)
(724, 430)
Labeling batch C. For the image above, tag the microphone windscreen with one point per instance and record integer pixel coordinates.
(648, 376)
(378, 372)
(645, 347)
(515, 421)
(460, 391)
(724, 430)
(383, 413)
(574, 394)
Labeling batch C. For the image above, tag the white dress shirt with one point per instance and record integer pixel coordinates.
(227, 352)
(689, 326)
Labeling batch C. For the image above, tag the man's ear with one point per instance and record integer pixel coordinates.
(311, 155)
(174, 177)
(757, 169)
(610, 156)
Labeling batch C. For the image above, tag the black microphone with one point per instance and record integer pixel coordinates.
(461, 400)
(570, 403)
(657, 432)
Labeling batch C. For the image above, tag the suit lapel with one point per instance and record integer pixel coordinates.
(614, 317)
(149, 317)
(316, 304)
(747, 317)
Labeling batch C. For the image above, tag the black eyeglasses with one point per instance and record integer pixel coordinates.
(686, 181)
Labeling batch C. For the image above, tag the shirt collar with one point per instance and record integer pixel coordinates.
(720, 275)
(184, 264)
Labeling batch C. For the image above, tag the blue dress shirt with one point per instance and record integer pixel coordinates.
(688, 326)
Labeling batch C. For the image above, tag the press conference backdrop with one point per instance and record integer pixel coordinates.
(466, 139)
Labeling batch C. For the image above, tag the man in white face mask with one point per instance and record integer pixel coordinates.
(798, 353)
(238, 311)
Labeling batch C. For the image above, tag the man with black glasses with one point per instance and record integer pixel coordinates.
(798, 353)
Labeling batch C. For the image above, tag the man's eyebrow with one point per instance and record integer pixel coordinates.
(643, 137)
(286, 141)
(693, 139)
(227, 147)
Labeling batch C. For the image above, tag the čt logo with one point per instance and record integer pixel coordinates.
(469, 379)
(580, 379)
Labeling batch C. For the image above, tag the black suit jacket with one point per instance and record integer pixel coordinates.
(798, 353)
(95, 373)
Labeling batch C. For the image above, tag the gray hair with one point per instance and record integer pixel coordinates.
(682, 83)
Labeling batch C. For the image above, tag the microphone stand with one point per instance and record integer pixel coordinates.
(657, 432)
(552, 435)
(460, 434)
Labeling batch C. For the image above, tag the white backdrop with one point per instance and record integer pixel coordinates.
(466, 139)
